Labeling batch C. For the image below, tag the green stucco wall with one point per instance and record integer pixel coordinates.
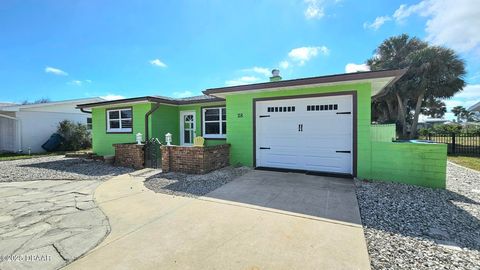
(166, 120)
(240, 121)
(383, 133)
(410, 163)
(102, 142)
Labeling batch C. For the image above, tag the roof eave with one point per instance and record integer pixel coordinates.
(147, 99)
(296, 83)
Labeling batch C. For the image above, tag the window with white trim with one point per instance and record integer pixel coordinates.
(119, 120)
(214, 122)
(89, 123)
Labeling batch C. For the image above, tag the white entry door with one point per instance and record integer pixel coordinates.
(187, 127)
(314, 134)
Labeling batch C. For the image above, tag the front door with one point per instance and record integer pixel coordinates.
(187, 127)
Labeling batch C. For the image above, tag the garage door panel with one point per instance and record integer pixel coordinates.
(307, 137)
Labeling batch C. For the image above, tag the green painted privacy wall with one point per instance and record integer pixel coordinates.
(383, 133)
(410, 163)
(240, 129)
(102, 142)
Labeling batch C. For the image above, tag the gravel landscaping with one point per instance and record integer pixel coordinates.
(57, 168)
(408, 227)
(190, 185)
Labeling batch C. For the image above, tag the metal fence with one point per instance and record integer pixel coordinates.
(458, 143)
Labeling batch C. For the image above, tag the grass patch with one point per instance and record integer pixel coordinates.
(469, 162)
(14, 156)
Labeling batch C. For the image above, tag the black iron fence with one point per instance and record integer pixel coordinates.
(458, 143)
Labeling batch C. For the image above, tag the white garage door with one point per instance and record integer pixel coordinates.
(314, 134)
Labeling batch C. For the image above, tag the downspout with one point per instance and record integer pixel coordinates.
(84, 111)
(147, 115)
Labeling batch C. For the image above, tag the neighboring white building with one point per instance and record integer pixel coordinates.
(475, 107)
(27, 127)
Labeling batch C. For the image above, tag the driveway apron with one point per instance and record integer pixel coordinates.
(262, 220)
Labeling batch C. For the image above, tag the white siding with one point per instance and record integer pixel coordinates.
(8, 135)
(38, 126)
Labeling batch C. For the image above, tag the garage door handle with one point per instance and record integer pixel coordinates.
(343, 151)
(344, 112)
(262, 148)
(262, 116)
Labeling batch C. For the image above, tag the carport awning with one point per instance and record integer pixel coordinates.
(379, 80)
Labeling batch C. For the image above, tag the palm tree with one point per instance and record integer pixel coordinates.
(433, 72)
(458, 111)
(437, 73)
(393, 54)
(434, 108)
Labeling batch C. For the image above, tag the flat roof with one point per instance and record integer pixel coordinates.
(391, 75)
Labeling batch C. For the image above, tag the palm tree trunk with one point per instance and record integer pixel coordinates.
(391, 112)
(402, 115)
(418, 106)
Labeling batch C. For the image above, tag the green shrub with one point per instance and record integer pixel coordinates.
(75, 136)
(447, 128)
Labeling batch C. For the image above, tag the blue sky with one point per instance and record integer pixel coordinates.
(75, 49)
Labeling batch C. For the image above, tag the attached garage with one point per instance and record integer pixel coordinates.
(318, 124)
(310, 133)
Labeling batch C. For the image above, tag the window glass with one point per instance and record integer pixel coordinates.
(115, 124)
(119, 120)
(126, 123)
(212, 128)
(126, 113)
(214, 122)
(113, 114)
(212, 115)
(224, 127)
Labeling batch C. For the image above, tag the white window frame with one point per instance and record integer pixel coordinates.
(120, 129)
(89, 125)
(220, 121)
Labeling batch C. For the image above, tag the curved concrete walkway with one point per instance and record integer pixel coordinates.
(158, 231)
(47, 224)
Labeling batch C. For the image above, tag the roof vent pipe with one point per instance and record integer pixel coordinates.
(275, 76)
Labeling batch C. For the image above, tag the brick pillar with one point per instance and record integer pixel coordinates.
(129, 155)
(165, 158)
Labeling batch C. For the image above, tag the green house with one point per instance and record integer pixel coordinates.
(318, 124)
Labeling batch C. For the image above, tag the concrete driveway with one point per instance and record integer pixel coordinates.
(262, 220)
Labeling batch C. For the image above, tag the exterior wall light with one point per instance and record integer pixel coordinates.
(139, 138)
(168, 139)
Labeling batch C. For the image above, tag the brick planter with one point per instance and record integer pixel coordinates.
(195, 160)
(129, 155)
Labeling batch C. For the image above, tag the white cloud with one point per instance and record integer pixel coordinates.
(88, 81)
(183, 94)
(157, 62)
(314, 9)
(466, 98)
(284, 64)
(303, 54)
(243, 80)
(112, 97)
(375, 25)
(55, 71)
(351, 67)
(470, 92)
(75, 82)
(260, 70)
(450, 22)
